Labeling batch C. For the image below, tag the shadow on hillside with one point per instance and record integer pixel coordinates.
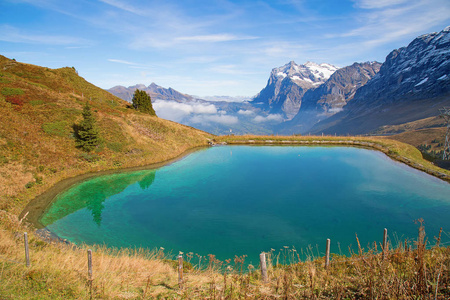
(444, 164)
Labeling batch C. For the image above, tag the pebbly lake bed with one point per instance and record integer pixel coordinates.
(242, 200)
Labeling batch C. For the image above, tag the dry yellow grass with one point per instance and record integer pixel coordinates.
(60, 271)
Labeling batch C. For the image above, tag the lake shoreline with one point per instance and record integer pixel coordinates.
(36, 207)
(355, 143)
(159, 208)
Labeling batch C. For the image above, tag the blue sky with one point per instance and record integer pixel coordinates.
(223, 47)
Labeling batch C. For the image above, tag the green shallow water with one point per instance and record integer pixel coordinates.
(236, 200)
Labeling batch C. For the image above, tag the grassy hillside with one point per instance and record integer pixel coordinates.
(38, 108)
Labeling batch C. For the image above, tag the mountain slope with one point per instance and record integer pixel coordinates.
(287, 84)
(330, 97)
(39, 107)
(412, 84)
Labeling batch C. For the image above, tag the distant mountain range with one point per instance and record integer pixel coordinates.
(155, 91)
(363, 98)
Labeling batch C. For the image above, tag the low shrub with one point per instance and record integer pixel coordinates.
(15, 100)
(11, 91)
(56, 128)
(115, 146)
(36, 102)
(89, 157)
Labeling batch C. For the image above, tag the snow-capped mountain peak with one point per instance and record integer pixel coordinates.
(287, 85)
(308, 74)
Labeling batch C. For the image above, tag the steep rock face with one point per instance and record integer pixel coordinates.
(287, 84)
(330, 97)
(155, 91)
(412, 84)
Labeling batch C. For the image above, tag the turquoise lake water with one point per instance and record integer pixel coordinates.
(236, 200)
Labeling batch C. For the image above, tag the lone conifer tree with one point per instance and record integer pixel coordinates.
(143, 102)
(87, 134)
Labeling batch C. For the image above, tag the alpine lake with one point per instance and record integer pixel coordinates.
(242, 200)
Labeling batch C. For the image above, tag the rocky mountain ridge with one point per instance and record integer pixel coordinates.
(155, 91)
(412, 84)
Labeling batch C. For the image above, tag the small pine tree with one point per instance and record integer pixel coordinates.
(87, 134)
(143, 102)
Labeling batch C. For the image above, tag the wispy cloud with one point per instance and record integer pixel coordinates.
(126, 7)
(122, 62)
(268, 118)
(389, 20)
(231, 69)
(133, 65)
(371, 4)
(214, 38)
(15, 35)
(246, 112)
(221, 119)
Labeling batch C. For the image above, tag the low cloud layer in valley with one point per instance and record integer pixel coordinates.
(219, 117)
(175, 111)
(193, 113)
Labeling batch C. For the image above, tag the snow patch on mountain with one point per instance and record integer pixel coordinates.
(310, 72)
(322, 72)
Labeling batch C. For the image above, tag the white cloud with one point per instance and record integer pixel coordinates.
(384, 23)
(12, 34)
(176, 111)
(123, 62)
(214, 38)
(335, 110)
(171, 110)
(371, 4)
(268, 118)
(221, 119)
(231, 70)
(125, 7)
(245, 112)
(195, 113)
(204, 109)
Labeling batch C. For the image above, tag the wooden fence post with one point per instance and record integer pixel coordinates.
(89, 254)
(180, 271)
(262, 261)
(27, 250)
(327, 255)
(385, 249)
